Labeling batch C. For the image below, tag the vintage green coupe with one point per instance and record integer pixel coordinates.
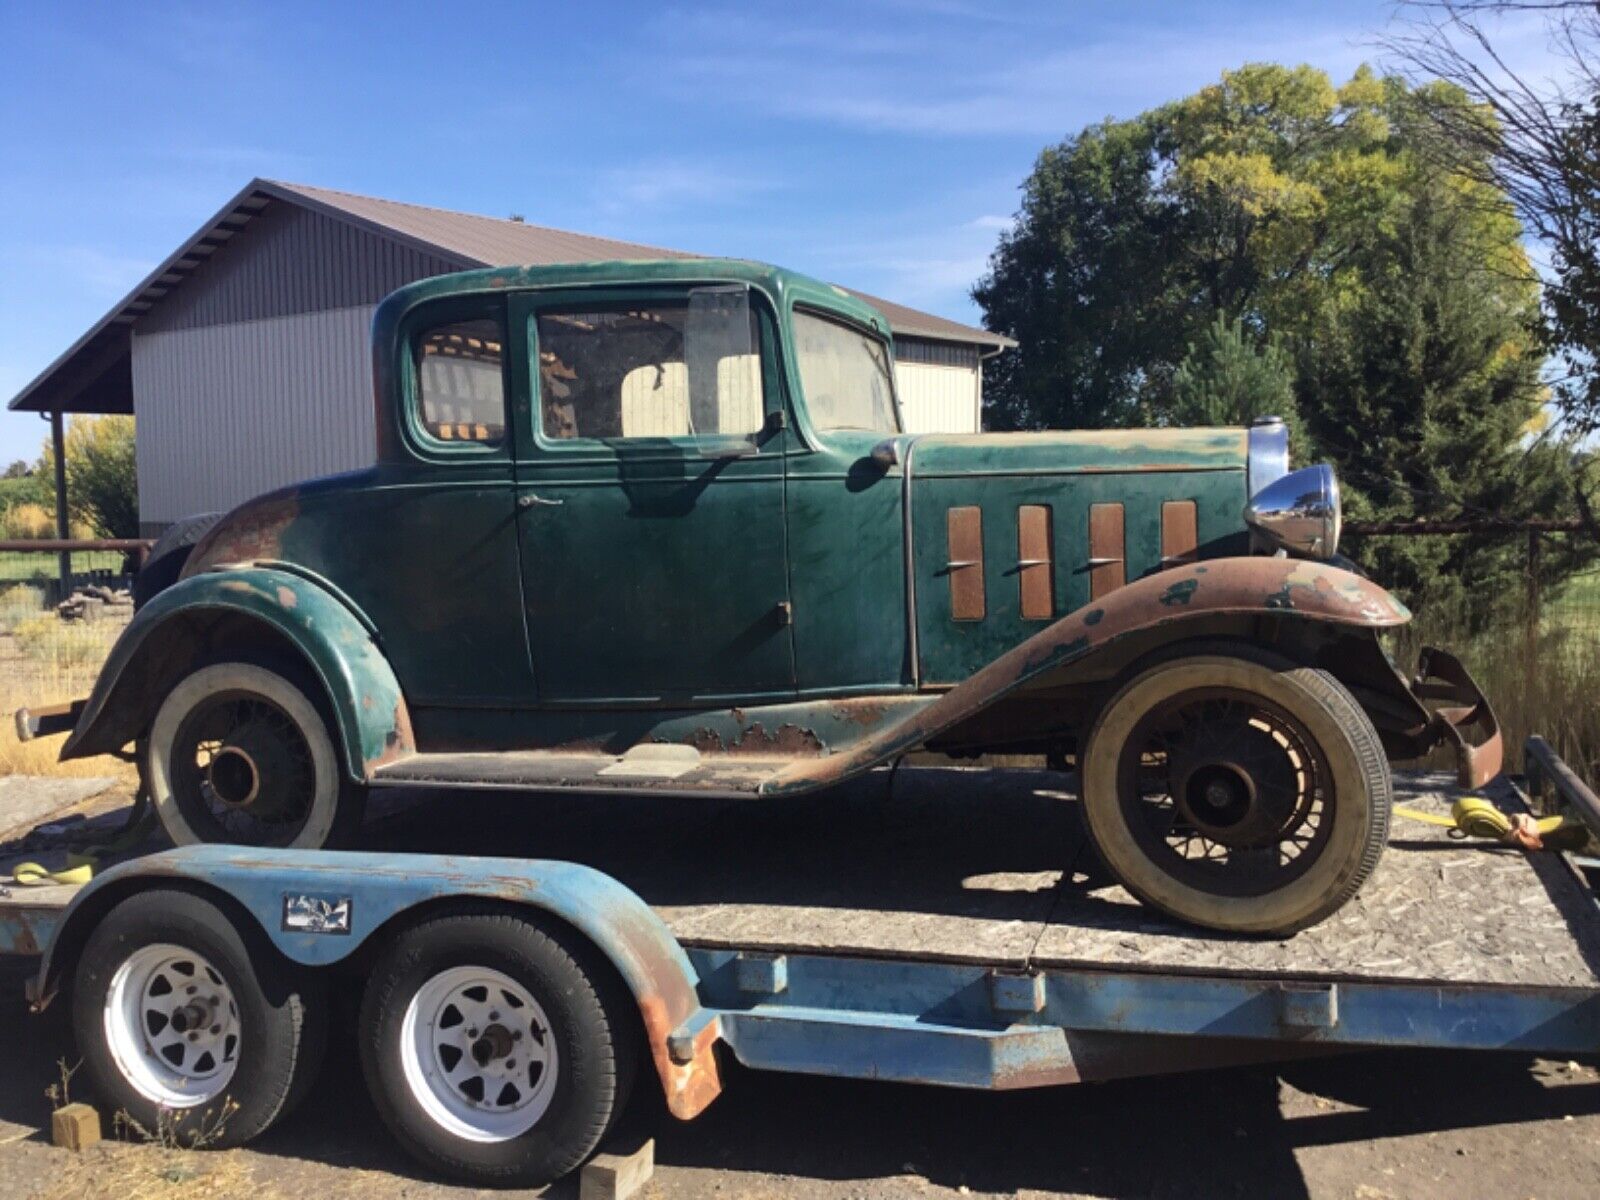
(656, 527)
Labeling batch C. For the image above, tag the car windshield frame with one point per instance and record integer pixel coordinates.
(829, 419)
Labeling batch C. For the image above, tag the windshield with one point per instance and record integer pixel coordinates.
(846, 376)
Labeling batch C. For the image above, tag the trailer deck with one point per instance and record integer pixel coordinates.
(993, 869)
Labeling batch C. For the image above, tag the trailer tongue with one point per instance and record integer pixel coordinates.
(938, 943)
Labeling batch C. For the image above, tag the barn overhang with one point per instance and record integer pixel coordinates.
(94, 375)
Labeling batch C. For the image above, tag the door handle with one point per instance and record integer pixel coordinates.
(528, 500)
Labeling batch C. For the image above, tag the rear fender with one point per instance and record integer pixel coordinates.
(1200, 599)
(172, 634)
(317, 908)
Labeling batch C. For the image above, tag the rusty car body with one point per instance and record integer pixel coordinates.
(656, 526)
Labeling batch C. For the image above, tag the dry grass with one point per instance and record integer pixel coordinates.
(44, 660)
(1542, 679)
(132, 1171)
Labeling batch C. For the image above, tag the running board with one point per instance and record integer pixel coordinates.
(657, 768)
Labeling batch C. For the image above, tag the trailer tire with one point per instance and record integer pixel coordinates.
(1250, 754)
(158, 948)
(449, 1010)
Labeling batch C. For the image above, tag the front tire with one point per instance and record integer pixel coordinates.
(492, 1051)
(1235, 790)
(189, 1030)
(239, 753)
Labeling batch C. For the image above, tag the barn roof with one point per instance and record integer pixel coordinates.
(94, 374)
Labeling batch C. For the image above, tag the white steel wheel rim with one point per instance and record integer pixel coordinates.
(478, 1054)
(172, 1026)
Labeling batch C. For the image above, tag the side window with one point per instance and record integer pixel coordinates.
(460, 383)
(674, 368)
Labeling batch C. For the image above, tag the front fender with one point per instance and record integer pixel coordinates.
(369, 708)
(1219, 587)
(319, 907)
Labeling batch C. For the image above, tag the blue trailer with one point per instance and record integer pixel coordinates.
(509, 1004)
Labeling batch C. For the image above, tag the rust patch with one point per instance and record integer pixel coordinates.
(252, 532)
(707, 741)
(786, 739)
(286, 597)
(689, 1087)
(398, 743)
(865, 713)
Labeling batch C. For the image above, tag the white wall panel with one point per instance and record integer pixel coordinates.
(937, 399)
(227, 412)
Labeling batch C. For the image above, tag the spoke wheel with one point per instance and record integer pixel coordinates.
(478, 1054)
(239, 753)
(242, 770)
(172, 1025)
(1227, 790)
(1234, 789)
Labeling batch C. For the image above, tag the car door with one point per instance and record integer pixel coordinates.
(650, 498)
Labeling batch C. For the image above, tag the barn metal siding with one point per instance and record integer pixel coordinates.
(940, 386)
(292, 260)
(227, 412)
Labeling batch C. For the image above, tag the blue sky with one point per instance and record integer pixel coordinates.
(876, 143)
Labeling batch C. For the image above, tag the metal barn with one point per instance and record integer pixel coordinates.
(244, 355)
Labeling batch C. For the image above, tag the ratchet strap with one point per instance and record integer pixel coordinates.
(1475, 817)
(83, 860)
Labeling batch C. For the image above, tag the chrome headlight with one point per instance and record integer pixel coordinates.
(1299, 512)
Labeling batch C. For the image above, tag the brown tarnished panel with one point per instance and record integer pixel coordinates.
(965, 526)
(1036, 568)
(251, 533)
(1107, 550)
(689, 1087)
(1282, 587)
(1180, 532)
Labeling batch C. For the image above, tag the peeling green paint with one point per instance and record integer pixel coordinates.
(1180, 593)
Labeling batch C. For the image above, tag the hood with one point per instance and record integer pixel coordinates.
(1097, 451)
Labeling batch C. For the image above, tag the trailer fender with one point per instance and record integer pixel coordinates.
(319, 907)
(171, 634)
(1176, 602)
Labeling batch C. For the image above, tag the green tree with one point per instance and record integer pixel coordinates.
(1312, 223)
(1227, 379)
(102, 482)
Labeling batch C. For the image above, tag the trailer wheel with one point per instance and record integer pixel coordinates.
(189, 1030)
(239, 753)
(493, 1053)
(1238, 791)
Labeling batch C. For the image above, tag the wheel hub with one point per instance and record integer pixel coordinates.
(172, 1026)
(256, 769)
(1234, 783)
(478, 1054)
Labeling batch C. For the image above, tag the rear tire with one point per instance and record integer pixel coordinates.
(189, 1029)
(240, 753)
(493, 1051)
(1238, 791)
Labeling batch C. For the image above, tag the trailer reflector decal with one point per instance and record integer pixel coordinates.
(307, 913)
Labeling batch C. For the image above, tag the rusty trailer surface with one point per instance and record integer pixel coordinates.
(898, 930)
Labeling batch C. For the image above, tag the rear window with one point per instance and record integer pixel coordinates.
(461, 382)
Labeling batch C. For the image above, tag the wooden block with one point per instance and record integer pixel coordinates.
(75, 1126)
(618, 1176)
